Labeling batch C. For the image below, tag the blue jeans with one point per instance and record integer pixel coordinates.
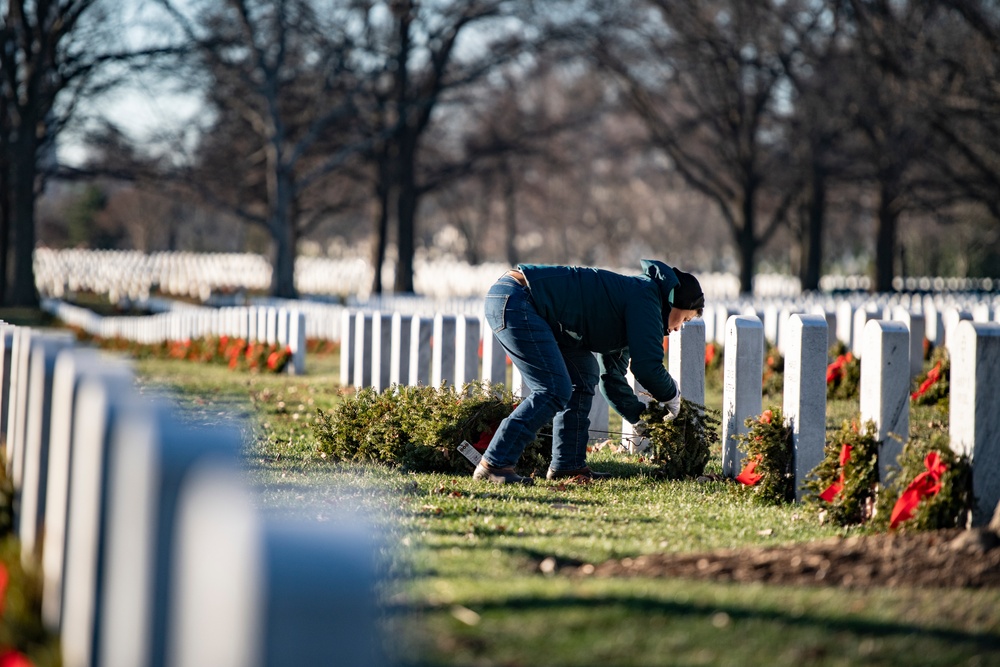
(562, 382)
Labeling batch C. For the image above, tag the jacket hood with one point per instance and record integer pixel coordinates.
(663, 276)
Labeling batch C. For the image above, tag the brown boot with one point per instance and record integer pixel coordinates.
(484, 471)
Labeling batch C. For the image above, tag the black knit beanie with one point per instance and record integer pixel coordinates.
(687, 294)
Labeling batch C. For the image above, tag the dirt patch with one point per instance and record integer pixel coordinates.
(947, 558)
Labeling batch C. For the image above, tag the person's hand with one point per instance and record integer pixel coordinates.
(673, 407)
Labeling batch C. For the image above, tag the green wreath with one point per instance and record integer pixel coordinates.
(768, 471)
(844, 485)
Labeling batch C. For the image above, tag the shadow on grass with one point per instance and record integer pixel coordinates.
(860, 626)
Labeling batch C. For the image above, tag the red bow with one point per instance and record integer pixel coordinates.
(933, 375)
(709, 354)
(831, 491)
(748, 476)
(924, 485)
(835, 371)
(484, 439)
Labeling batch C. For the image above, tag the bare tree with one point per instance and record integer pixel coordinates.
(923, 99)
(279, 78)
(53, 54)
(820, 149)
(430, 60)
(707, 81)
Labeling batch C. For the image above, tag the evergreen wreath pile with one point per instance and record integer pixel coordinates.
(681, 447)
(419, 428)
(773, 382)
(933, 386)
(844, 485)
(843, 375)
(714, 366)
(769, 458)
(930, 490)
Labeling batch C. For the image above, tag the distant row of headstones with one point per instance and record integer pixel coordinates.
(135, 276)
(268, 325)
(148, 537)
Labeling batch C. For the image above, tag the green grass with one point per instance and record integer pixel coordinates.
(463, 584)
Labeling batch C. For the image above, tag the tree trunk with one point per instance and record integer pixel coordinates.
(23, 291)
(406, 215)
(747, 244)
(382, 188)
(813, 246)
(282, 228)
(885, 239)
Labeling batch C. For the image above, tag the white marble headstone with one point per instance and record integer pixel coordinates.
(804, 404)
(974, 418)
(149, 459)
(743, 370)
(258, 591)
(30, 498)
(443, 349)
(73, 367)
(885, 388)
(686, 360)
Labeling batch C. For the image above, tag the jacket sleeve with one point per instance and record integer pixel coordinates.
(616, 388)
(644, 326)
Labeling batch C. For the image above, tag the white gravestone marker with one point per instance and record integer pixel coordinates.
(974, 418)
(252, 591)
(804, 405)
(686, 360)
(73, 367)
(885, 388)
(150, 456)
(743, 370)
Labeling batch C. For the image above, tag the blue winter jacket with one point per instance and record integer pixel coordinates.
(622, 318)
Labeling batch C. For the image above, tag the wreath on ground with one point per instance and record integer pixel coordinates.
(931, 489)
(419, 428)
(844, 485)
(773, 381)
(681, 447)
(843, 374)
(714, 366)
(768, 472)
(933, 387)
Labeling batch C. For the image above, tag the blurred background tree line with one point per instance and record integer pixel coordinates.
(804, 136)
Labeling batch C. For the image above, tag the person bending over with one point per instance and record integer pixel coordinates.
(551, 320)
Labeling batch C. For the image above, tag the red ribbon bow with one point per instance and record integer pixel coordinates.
(835, 371)
(933, 375)
(924, 485)
(709, 354)
(748, 475)
(831, 491)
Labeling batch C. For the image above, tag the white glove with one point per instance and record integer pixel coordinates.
(639, 442)
(673, 407)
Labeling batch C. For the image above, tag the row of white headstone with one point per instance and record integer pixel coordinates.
(381, 349)
(846, 317)
(974, 418)
(268, 325)
(133, 275)
(150, 543)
